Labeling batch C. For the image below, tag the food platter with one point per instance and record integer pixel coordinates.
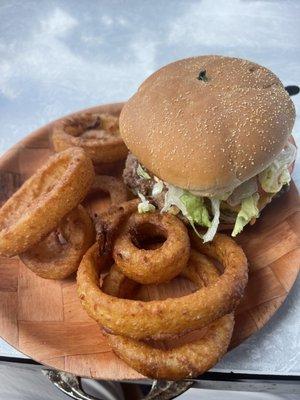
(44, 319)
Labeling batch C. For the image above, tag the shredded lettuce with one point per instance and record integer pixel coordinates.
(145, 206)
(192, 207)
(196, 209)
(142, 173)
(172, 198)
(246, 196)
(277, 174)
(210, 234)
(157, 187)
(248, 211)
(274, 177)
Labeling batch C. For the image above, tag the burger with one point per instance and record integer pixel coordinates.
(210, 141)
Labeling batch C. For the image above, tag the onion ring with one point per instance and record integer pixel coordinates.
(117, 284)
(109, 223)
(172, 315)
(113, 186)
(183, 360)
(56, 258)
(98, 134)
(109, 184)
(152, 266)
(44, 199)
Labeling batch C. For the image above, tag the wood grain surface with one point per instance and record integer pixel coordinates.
(44, 318)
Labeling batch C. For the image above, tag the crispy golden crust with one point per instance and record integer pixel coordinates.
(170, 316)
(182, 360)
(97, 134)
(57, 257)
(185, 361)
(152, 265)
(43, 200)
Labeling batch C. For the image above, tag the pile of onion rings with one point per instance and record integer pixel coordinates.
(46, 223)
(155, 319)
(129, 323)
(183, 360)
(43, 221)
(98, 134)
(43, 200)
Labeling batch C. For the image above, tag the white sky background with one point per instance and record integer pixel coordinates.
(60, 56)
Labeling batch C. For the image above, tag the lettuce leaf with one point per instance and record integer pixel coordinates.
(274, 177)
(157, 187)
(248, 211)
(172, 198)
(246, 195)
(277, 174)
(210, 234)
(145, 206)
(196, 209)
(142, 173)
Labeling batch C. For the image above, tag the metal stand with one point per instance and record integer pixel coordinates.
(70, 385)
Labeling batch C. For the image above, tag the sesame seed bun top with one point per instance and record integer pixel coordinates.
(208, 123)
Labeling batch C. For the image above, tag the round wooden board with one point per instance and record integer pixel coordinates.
(44, 319)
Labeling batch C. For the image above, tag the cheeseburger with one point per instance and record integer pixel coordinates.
(210, 141)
